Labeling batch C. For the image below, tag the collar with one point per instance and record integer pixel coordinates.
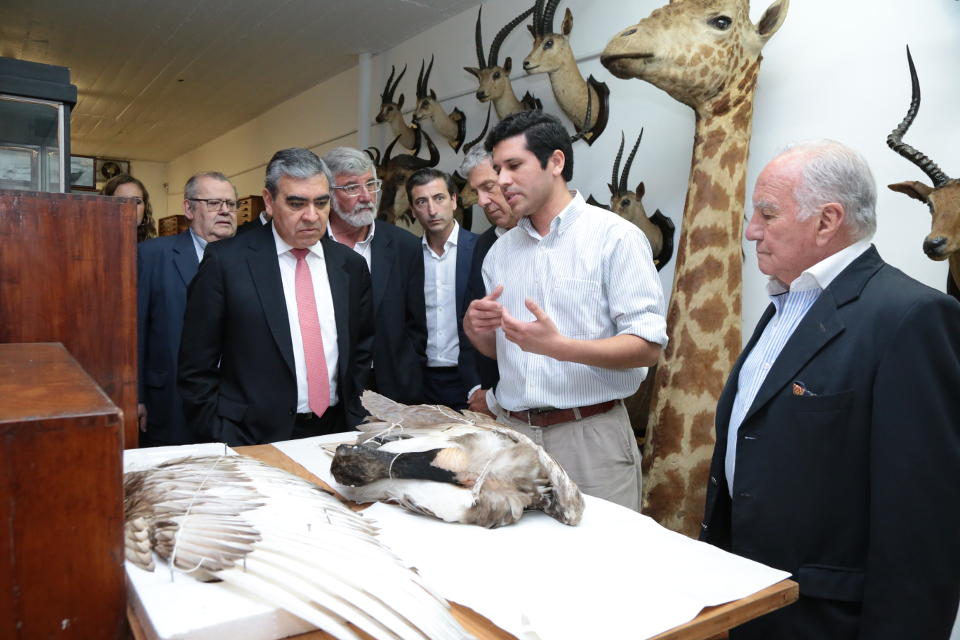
(562, 221)
(820, 275)
(283, 247)
(451, 240)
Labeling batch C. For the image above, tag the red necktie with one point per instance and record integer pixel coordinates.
(318, 381)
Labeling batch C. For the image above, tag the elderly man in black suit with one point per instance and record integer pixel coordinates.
(838, 432)
(165, 266)
(396, 267)
(278, 329)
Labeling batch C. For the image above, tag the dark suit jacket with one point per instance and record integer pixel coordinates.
(236, 316)
(400, 345)
(251, 225)
(466, 363)
(165, 266)
(854, 490)
(486, 367)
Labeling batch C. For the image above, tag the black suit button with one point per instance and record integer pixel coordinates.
(744, 494)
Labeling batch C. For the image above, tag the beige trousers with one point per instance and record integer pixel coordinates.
(599, 453)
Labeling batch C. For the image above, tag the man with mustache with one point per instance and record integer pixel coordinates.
(278, 329)
(573, 312)
(396, 268)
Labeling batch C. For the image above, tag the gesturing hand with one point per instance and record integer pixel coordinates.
(484, 315)
(540, 336)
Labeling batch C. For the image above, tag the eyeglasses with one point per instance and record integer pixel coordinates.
(214, 204)
(352, 190)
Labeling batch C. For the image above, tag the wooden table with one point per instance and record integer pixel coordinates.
(711, 621)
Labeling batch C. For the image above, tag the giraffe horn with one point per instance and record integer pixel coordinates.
(478, 36)
(502, 34)
(895, 139)
(615, 179)
(626, 167)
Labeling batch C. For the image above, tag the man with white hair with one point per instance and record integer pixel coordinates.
(838, 431)
(396, 266)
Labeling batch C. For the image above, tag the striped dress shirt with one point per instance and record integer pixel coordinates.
(791, 305)
(593, 274)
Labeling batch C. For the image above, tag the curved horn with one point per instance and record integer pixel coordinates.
(387, 95)
(426, 77)
(393, 89)
(895, 139)
(421, 89)
(389, 150)
(434, 152)
(547, 20)
(486, 125)
(479, 38)
(538, 18)
(502, 34)
(374, 154)
(615, 179)
(626, 167)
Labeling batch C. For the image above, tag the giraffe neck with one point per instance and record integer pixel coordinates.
(703, 317)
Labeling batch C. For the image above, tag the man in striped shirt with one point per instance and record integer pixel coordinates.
(573, 312)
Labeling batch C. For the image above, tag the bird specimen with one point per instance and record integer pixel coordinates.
(282, 540)
(452, 466)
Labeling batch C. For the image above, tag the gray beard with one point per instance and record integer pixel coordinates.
(360, 216)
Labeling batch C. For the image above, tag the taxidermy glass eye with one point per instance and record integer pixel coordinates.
(624, 202)
(720, 22)
(496, 75)
(548, 44)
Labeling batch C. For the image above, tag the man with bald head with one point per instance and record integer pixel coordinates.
(838, 431)
(278, 328)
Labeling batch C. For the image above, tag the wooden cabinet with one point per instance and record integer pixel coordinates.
(68, 273)
(249, 208)
(172, 225)
(61, 499)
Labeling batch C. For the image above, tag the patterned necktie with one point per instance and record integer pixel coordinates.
(318, 381)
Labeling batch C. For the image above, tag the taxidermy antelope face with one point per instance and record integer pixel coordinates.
(550, 50)
(388, 108)
(494, 79)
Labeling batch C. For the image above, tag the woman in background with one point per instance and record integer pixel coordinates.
(129, 187)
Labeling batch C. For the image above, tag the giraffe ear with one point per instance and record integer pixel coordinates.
(772, 18)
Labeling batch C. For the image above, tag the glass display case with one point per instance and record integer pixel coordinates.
(35, 104)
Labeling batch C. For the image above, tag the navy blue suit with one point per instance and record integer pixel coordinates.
(487, 371)
(455, 392)
(236, 370)
(852, 486)
(165, 266)
(400, 343)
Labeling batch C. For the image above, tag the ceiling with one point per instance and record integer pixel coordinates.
(157, 78)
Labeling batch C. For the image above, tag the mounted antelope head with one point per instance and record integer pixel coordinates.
(658, 228)
(552, 54)
(495, 80)
(943, 198)
(391, 113)
(453, 127)
(394, 171)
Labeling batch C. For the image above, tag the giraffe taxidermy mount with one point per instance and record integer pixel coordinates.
(495, 85)
(392, 113)
(943, 198)
(658, 228)
(705, 54)
(553, 55)
(452, 126)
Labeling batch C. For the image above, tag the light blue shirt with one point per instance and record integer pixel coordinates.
(791, 304)
(199, 244)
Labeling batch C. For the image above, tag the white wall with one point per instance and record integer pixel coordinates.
(835, 69)
(153, 175)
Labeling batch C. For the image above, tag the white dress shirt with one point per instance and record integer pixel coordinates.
(593, 274)
(328, 321)
(199, 245)
(791, 304)
(362, 247)
(440, 294)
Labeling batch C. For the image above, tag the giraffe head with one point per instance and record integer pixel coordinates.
(698, 51)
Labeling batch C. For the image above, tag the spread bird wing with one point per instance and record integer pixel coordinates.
(404, 452)
(282, 540)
